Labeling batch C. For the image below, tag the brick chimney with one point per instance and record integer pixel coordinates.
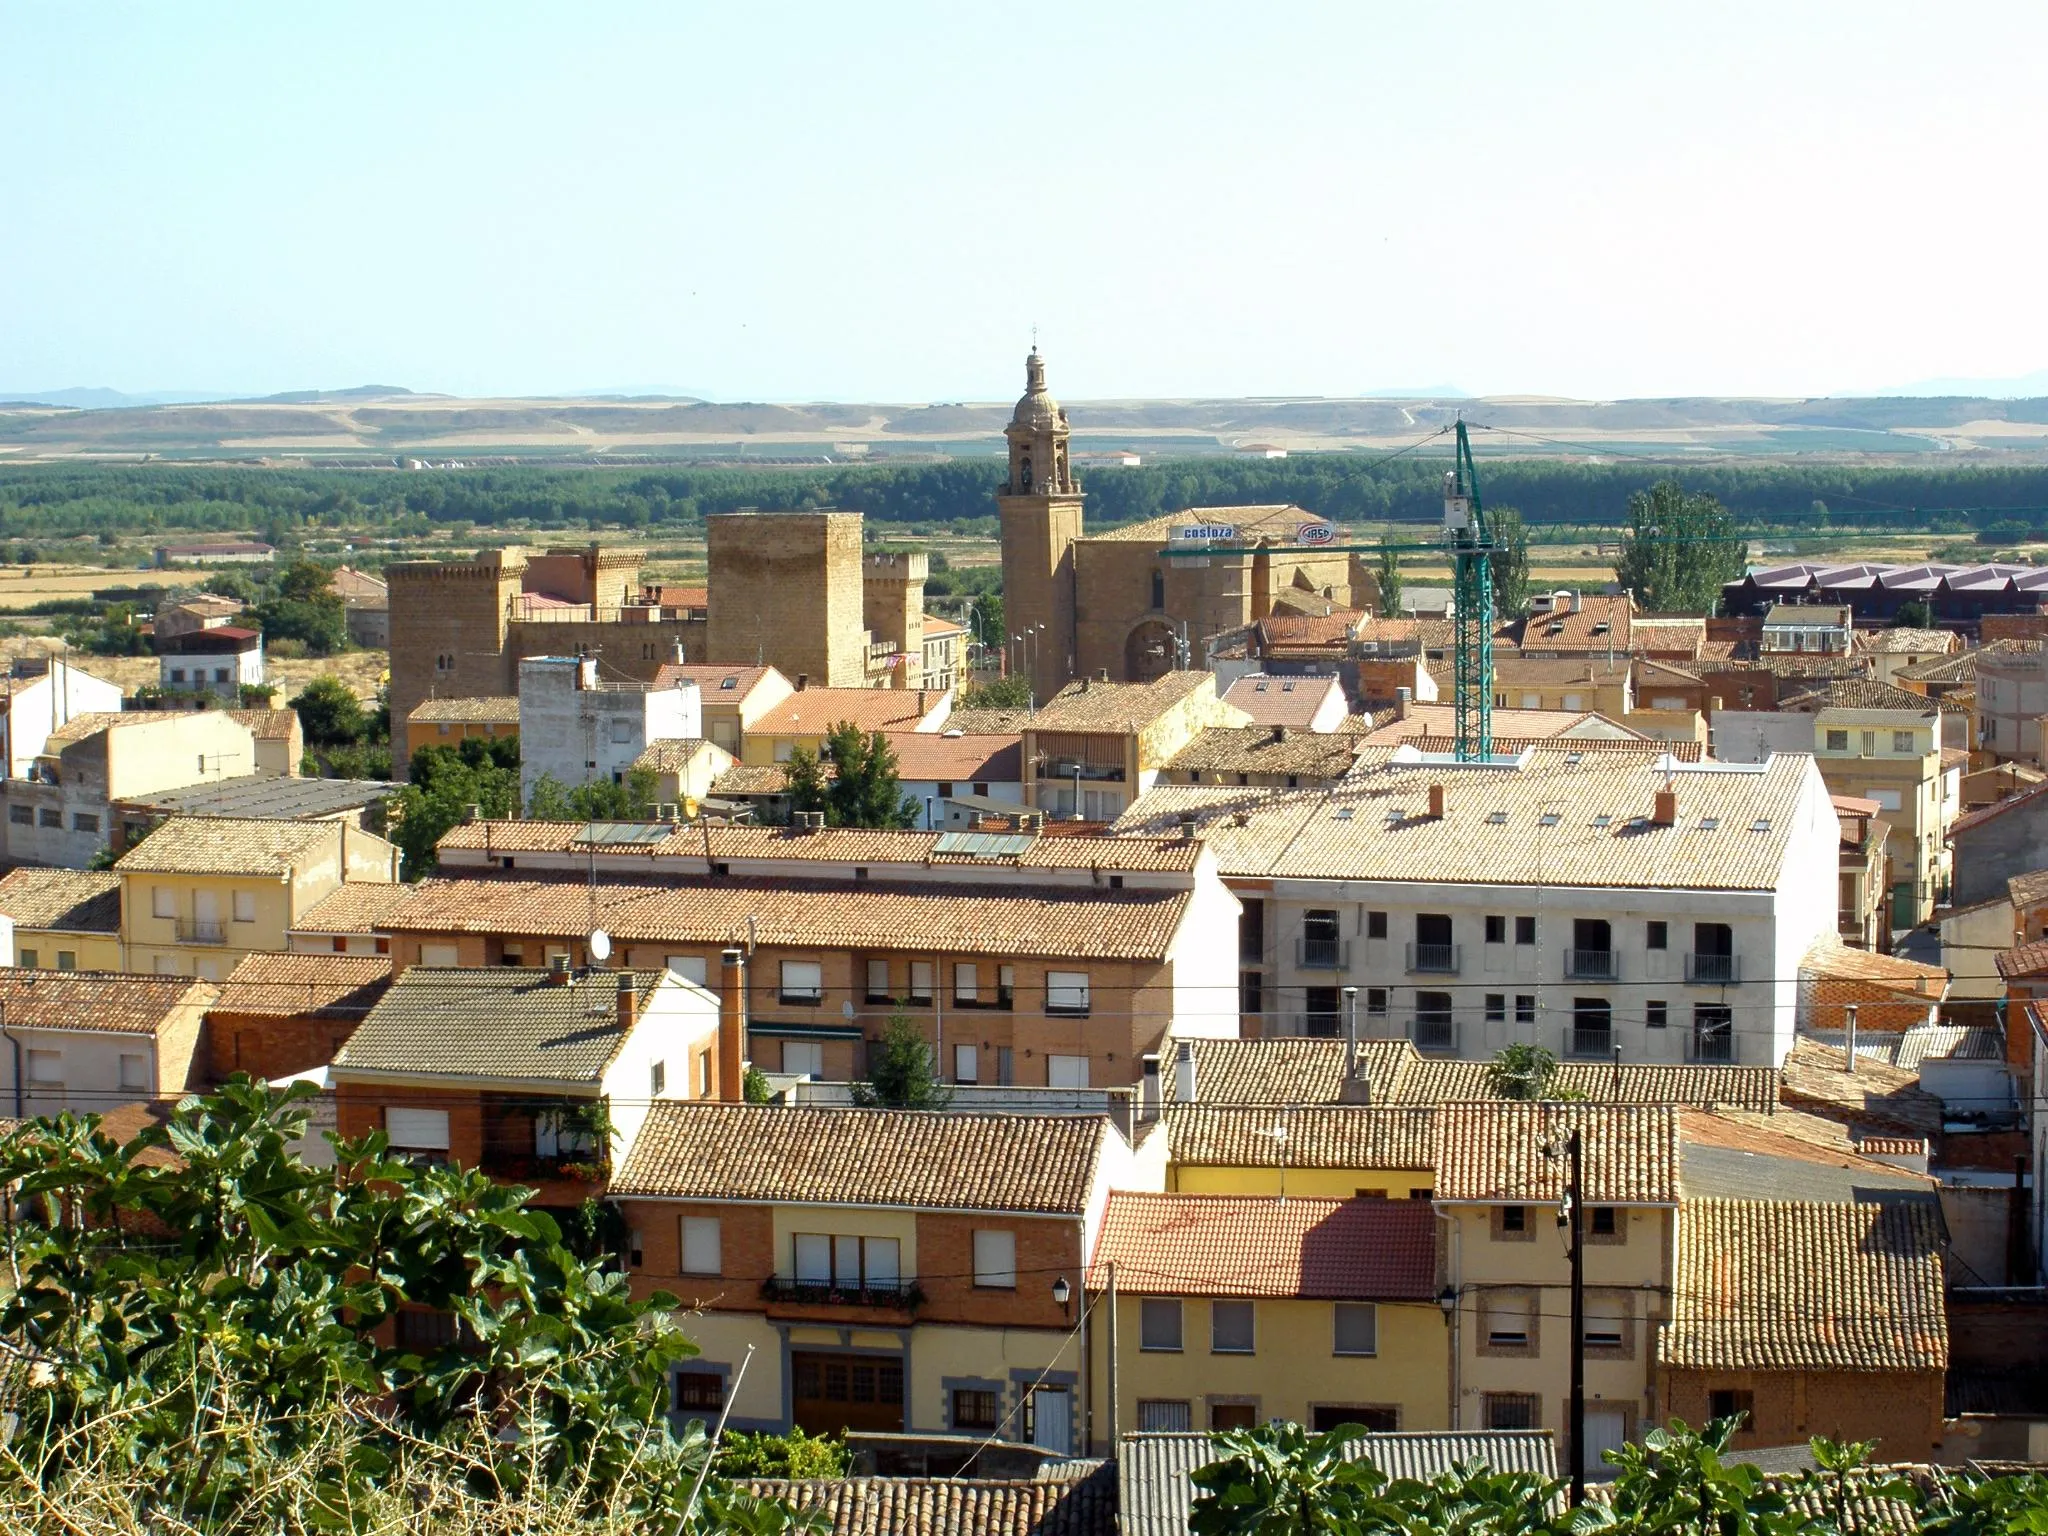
(558, 970)
(803, 681)
(1436, 802)
(1403, 697)
(1666, 813)
(732, 1025)
(629, 1002)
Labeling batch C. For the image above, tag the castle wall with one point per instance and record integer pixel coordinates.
(448, 626)
(787, 592)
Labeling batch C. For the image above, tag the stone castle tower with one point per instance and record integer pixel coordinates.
(1039, 507)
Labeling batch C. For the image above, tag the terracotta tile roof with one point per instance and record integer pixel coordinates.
(1874, 1096)
(1807, 1286)
(1734, 831)
(1301, 1070)
(1493, 1152)
(988, 722)
(679, 597)
(1948, 669)
(815, 711)
(289, 986)
(1261, 1245)
(1096, 706)
(1282, 700)
(1308, 631)
(1599, 620)
(223, 845)
(936, 628)
(357, 907)
(68, 900)
(1837, 961)
(743, 779)
(2029, 959)
(1790, 1136)
(924, 755)
(672, 754)
(717, 684)
(2022, 890)
(91, 723)
(1300, 1136)
(1969, 821)
(1641, 747)
(1440, 719)
(1426, 634)
(1904, 642)
(1590, 670)
(493, 1022)
(1858, 693)
(951, 1506)
(110, 1002)
(1252, 749)
(266, 724)
(1048, 921)
(920, 1158)
(495, 710)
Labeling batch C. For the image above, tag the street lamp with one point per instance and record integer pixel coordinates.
(1061, 1292)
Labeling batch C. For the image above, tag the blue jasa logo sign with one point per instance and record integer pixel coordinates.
(1315, 535)
(1205, 533)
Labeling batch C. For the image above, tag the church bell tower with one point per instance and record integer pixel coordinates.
(1039, 508)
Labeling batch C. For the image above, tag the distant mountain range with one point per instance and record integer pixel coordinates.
(2028, 386)
(116, 400)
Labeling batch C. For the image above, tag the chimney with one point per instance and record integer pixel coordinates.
(1666, 814)
(1102, 675)
(680, 658)
(1184, 1072)
(1436, 802)
(1403, 697)
(920, 702)
(1084, 684)
(1849, 1038)
(586, 673)
(1188, 823)
(1575, 602)
(1350, 1032)
(629, 1002)
(1148, 1088)
(803, 681)
(1279, 733)
(1713, 701)
(732, 1025)
(558, 970)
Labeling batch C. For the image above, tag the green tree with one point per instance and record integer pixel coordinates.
(985, 622)
(804, 780)
(1280, 1480)
(599, 800)
(1914, 614)
(795, 1454)
(446, 782)
(865, 790)
(1390, 584)
(901, 1074)
(305, 608)
(1523, 1071)
(1509, 563)
(1678, 549)
(330, 714)
(1012, 692)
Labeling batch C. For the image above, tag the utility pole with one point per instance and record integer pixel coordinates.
(1109, 1339)
(1575, 1218)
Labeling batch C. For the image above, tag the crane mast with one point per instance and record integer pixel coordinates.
(1471, 549)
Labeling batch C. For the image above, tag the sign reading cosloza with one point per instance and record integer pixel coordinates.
(1205, 533)
(1315, 534)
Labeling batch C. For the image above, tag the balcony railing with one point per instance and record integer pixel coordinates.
(1433, 959)
(1433, 1032)
(1704, 970)
(1591, 965)
(1589, 1040)
(1323, 954)
(198, 932)
(1711, 1046)
(823, 1293)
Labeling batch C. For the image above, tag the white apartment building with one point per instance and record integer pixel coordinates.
(34, 706)
(582, 730)
(2012, 696)
(1585, 902)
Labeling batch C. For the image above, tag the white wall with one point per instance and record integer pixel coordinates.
(1972, 939)
(88, 1069)
(583, 731)
(1752, 735)
(38, 706)
(677, 1020)
(931, 804)
(1204, 959)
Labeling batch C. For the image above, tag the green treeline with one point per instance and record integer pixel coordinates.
(63, 500)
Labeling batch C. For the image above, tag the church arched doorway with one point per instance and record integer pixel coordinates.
(1148, 653)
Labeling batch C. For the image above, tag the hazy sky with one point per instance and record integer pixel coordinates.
(877, 202)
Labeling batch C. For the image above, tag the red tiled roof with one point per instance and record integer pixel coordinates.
(920, 755)
(1261, 1245)
(1977, 818)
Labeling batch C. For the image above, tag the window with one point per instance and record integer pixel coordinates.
(1375, 925)
(81, 822)
(1357, 1328)
(1507, 1321)
(1726, 1403)
(177, 674)
(966, 1064)
(1511, 1410)
(803, 983)
(921, 982)
(1066, 992)
(1656, 1013)
(703, 1252)
(25, 958)
(689, 967)
(1376, 1002)
(1657, 935)
(1511, 1222)
(1251, 930)
(1603, 1218)
(440, 956)
(878, 981)
(1496, 929)
(704, 1074)
(1226, 1415)
(657, 1079)
(1006, 986)
(976, 1408)
(995, 1259)
(966, 983)
(1159, 1323)
(417, 1130)
(1231, 1328)
(699, 1393)
(812, 1252)
(1496, 1007)
(1838, 741)
(67, 959)
(245, 906)
(21, 815)
(134, 1070)
(1869, 743)
(1324, 1417)
(46, 1068)
(1251, 992)
(1164, 1416)
(46, 817)
(848, 1263)
(1066, 1071)
(803, 1058)
(1902, 741)
(1525, 1008)
(1525, 930)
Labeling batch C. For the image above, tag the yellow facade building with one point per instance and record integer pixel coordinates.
(1327, 1151)
(64, 919)
(202, 893)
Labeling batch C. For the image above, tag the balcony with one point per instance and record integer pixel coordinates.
(1591, 965)
(1323, 954)
(1433, 1032)
(1711, 1046)
(198, 931)
(1589, 1040)
(1433, 959)
(779, 1290)
(1708, 970)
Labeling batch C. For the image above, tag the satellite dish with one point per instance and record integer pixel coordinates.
(600, 945)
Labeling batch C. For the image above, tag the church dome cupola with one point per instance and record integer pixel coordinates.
(1038, 438)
